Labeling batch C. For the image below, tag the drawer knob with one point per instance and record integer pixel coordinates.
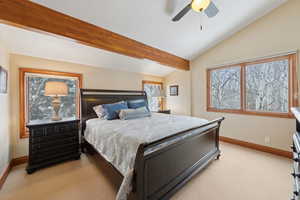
(295, 175)
(296, 159)
(293, 148)
(296, 193)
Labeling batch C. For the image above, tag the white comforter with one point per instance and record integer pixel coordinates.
(118, 140)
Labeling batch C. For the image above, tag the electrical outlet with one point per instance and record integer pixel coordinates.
(267, 139)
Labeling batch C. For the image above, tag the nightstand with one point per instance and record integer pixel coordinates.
(164, 111)
(52, 142)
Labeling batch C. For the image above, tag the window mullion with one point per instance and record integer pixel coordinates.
(243, 89)
(293, 87)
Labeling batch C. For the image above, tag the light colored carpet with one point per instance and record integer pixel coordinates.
(240, 174)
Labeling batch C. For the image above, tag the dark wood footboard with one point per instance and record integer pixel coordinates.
(160, 173)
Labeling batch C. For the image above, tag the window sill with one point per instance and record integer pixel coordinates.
(262, 114)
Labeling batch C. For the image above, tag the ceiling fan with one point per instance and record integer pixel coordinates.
(209, 8)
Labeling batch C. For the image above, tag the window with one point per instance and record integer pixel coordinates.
(154, 92)
(225, 88)
(265, 87)
(34, 105)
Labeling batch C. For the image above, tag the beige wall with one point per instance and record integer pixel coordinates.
(278, 31)
(180, 104)
(5, 141)
(93, 77)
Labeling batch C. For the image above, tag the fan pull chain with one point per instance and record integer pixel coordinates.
(201, 26)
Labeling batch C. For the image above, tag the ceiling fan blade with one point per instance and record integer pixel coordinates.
(182, 13)
(211, 10)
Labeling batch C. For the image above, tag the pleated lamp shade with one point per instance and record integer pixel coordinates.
(55, 88)
(159, 93)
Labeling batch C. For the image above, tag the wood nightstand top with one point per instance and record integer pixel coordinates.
(49, 122)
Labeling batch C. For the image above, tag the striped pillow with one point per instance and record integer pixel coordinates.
(141, 112)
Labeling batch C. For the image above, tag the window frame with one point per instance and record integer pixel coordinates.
(22, 92)
(155, 83)
(293, 87)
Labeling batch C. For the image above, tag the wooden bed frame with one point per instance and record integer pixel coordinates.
(160, 173)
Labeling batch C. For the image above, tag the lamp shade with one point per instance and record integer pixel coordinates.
(55, 88)
(158, 93)
(163, 94)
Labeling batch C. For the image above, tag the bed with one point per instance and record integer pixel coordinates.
(156, 155)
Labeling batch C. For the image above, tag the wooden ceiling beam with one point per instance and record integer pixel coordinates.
(32, 16)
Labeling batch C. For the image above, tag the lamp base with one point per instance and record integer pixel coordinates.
(56, 118)
(56, 107)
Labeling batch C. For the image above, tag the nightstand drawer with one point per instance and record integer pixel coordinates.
(53, 137)
(296, 167)
(54, 130)
(296, 144)
(45, 163)
(52, 149)
(296, 162)
(67, 128)
(52, 144)
(37, 132)
(48, 155)
(296, 190)
(295, 197)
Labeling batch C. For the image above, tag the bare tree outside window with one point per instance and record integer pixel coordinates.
(39, 106)
(151, 89)
(267, 86)
(225, 88)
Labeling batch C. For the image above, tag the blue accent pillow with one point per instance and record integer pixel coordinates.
(112, 110)
(134, 104)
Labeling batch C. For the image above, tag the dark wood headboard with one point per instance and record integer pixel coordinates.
(93, 97)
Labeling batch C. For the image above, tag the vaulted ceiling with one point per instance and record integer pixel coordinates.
(145, 21)
(150, 22)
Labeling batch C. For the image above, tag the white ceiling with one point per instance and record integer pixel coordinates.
(149, 21)
(29, 43)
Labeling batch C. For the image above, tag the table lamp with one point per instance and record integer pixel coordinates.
(55, 90)
(161, 95)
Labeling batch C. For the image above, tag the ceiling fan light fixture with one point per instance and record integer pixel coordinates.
(200, 5)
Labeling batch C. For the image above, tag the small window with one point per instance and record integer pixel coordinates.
(36, 106)
(265, 87)
(154, 92)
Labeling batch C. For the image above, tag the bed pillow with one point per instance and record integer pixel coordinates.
(100, 111)
(112, 110)
(137, 104)
(141, 112)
